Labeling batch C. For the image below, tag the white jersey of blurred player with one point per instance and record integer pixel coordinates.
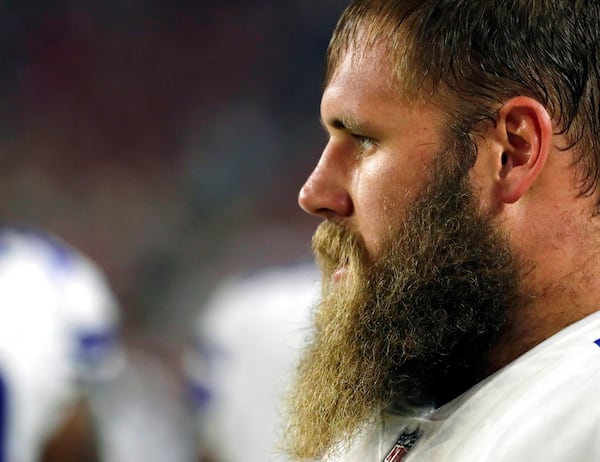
(58, 325)
(249, 337)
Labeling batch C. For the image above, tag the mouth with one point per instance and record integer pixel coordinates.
(339, 274)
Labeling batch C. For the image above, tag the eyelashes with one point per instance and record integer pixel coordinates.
(366, 143)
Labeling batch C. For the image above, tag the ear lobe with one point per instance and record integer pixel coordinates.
(524, 135)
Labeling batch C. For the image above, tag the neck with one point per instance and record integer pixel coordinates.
(563, 298)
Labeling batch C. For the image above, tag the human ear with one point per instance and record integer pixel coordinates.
(523, 135)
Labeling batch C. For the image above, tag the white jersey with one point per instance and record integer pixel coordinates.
(542, 407)
(57, 328)
(249, 338)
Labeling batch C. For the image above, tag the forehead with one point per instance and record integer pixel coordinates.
(367, 70)
(364, 87)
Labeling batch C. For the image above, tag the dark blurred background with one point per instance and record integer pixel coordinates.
(165, 139)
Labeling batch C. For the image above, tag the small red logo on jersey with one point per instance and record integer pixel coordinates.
(396, 454)
(405, 442)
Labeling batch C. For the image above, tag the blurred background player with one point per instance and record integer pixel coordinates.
(58, 341)
(248, 338)
(70, 390)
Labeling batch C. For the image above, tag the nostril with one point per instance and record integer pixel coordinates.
(325, 213)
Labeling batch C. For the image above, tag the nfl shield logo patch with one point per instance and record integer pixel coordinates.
(396, 454)
(405, 442)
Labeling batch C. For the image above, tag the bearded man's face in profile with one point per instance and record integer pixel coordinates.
(409, 324)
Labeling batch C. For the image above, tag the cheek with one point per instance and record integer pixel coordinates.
(373, 216)
(381, 198)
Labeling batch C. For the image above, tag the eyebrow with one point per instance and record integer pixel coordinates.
(345, 122)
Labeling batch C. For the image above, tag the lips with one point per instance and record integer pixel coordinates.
(339, 274)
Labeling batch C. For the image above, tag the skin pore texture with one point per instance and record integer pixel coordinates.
(439, 256)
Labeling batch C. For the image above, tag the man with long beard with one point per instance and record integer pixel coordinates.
(459, 252)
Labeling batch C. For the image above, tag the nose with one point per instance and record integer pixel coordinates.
(324, 193)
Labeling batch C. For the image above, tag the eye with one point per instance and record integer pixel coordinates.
(366, 143)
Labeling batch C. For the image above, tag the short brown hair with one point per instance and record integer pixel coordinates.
(479, 53)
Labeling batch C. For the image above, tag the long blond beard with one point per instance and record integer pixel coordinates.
(329, 403)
